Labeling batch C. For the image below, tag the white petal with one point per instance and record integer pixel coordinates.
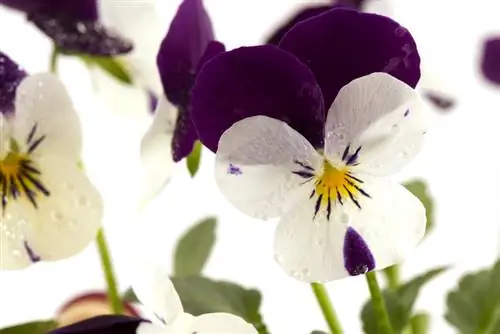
(391, 223)
(383, 116)
(132, 19)
(155, 290)
(148, 328)
(63, 223)
(156, 149)
(255, 164)
(221, 323)
(43, 105)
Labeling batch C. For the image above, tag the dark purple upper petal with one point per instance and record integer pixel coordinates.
(188, 36)
(302, 15)
(250, 81)
(77, 10)
(490, 64)
(342, 45)
(11, 76)
(89, 37)
(358, 259)
(185, 133)
(106, 324)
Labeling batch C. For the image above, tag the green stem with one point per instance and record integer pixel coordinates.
(107, 267)
(327, 308)
(392, 275)
(378, 303)
(420, 323)
(54, 55)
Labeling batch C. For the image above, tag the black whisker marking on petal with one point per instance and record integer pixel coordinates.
(329, 206)
(304, 174)
(3, 180)
(35, 144)
(352, 197)
(354, 157)
(318, 205)
(306, 166)
(30, 194)
(31, 134)
(36, 183)
(339, 197)
(312, 193)
(346, 152)
(14, 191)
(358, 188)
(354, 178)
(26, 165)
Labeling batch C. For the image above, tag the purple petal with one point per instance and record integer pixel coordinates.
(188, 36)
(105, 324)
(358, 259)
(89, 37)
(11, 76)
(342, 45)
(76, 10)
(302, 15)
(490, 64)
(249, 81)
(185, 134)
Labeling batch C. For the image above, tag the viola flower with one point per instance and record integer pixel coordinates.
(310, 132)
(74, 26)
(87, 306)
(156, 291)
(187, 46)
(49, 209)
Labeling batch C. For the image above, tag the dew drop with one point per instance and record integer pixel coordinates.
(279, 258)
(345, 218)
(306, 273)
(57, 216)
(320, 242)
(16, 253)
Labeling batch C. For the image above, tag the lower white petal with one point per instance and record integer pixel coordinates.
(221, 323)
(364, 232)
(260, 162)
(154, 289)
(156, 149)
(376, 123)
(148, 328)
(56, 224)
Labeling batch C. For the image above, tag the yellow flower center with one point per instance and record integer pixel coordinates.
(20, 176)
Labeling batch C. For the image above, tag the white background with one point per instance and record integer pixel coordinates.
(461, 161)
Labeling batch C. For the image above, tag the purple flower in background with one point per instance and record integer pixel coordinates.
(156, 291)
(73, 25)
(490, 63)
(188, 45)
(313, 128)
(49, 210)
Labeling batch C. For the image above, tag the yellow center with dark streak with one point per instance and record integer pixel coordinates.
(336, 184)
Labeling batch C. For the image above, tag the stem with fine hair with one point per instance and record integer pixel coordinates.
(115, 301)
(327, 308)
(378, 303)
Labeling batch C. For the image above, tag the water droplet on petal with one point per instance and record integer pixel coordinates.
(345, 218)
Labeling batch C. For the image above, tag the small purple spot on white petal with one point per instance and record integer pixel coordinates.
(32, 255)
(407, 112)
(358, 259)
(234, 170)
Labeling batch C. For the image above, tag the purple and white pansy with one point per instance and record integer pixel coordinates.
(157, 293)
(49, 210)
(188, 45)
(310, 132)
(74, 26)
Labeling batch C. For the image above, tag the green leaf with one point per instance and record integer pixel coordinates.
(110, 65)
(194, 248)
(38, 327)
(474, 306)
(201, 295)
(194, 158)
(399, 303)
(420, 190)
